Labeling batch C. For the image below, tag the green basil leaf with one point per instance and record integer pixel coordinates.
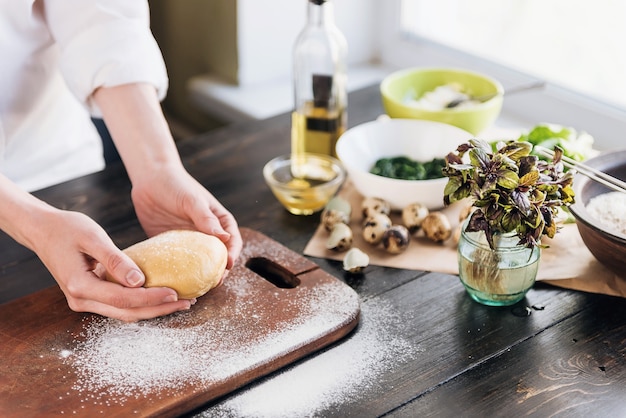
(529, 179)
(507, 179)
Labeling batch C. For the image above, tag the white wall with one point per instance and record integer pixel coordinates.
(268, 29)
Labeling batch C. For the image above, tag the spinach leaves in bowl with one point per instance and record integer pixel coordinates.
(405, 168)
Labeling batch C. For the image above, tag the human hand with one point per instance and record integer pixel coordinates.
(171, 198)
(77, 252)
(165, 196)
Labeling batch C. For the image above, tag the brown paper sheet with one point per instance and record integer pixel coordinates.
(566, 263)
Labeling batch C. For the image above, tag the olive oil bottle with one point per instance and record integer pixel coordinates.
(319, 73)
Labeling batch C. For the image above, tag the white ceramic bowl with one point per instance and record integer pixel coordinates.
(360, 147)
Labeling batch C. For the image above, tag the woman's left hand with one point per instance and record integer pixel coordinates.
(172, 199)
(165, 195)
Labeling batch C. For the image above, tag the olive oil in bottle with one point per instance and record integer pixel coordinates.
(316, 129)
(320, 114)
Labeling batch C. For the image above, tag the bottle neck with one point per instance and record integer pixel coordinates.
(320, 13)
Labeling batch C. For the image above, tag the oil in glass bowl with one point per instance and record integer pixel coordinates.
(304, 183)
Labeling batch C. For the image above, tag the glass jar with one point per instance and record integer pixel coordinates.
(500, 276)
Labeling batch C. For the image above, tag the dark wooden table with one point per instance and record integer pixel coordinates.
(423, 347)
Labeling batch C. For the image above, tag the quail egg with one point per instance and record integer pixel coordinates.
(437, 227)
(373, 205)
(396, 239)
(337, 210)
(374, 228)
(340, 238)
(355, 261)
(413, 215)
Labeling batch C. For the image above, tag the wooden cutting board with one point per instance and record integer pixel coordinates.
(275, 307)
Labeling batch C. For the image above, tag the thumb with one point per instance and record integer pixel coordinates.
(120, 268)
(205, 220)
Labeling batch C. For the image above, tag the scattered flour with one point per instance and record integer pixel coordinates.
(115, 361)
(344, 373)
(65, 353)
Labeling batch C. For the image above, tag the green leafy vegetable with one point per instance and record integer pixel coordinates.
(512, 189)
(405, 168)
(574, 145)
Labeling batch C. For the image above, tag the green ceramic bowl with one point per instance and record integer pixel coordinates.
(400, 89)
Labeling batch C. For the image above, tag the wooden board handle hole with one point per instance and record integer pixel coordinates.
(273, 273)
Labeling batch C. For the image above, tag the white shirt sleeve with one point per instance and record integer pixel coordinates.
(105, 43)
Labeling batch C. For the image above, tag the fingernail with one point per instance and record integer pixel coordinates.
(185, 308)
(193, 301)
(170, 298)
(134, 278)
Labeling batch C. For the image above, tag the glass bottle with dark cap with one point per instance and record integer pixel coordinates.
(319, 71)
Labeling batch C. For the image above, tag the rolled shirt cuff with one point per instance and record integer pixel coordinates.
(110, 54)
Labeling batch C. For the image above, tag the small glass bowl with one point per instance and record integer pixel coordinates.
(304, 183)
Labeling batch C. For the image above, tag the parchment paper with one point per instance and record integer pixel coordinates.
(566, 263)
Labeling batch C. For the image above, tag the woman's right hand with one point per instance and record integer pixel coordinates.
(77, 252)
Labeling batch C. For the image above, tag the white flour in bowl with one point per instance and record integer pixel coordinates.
(610, 210)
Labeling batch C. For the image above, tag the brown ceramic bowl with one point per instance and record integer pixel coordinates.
(607, 245)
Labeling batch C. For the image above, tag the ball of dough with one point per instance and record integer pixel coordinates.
(190, 262)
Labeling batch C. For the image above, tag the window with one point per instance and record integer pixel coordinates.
(568, 42)
(574, 45)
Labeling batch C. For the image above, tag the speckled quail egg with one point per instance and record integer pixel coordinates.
(413, 215)
(355, 261)
(340, 238)
(337, 210)
(374, 227)
(437, 227)
(373, 205)
(396, 239)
